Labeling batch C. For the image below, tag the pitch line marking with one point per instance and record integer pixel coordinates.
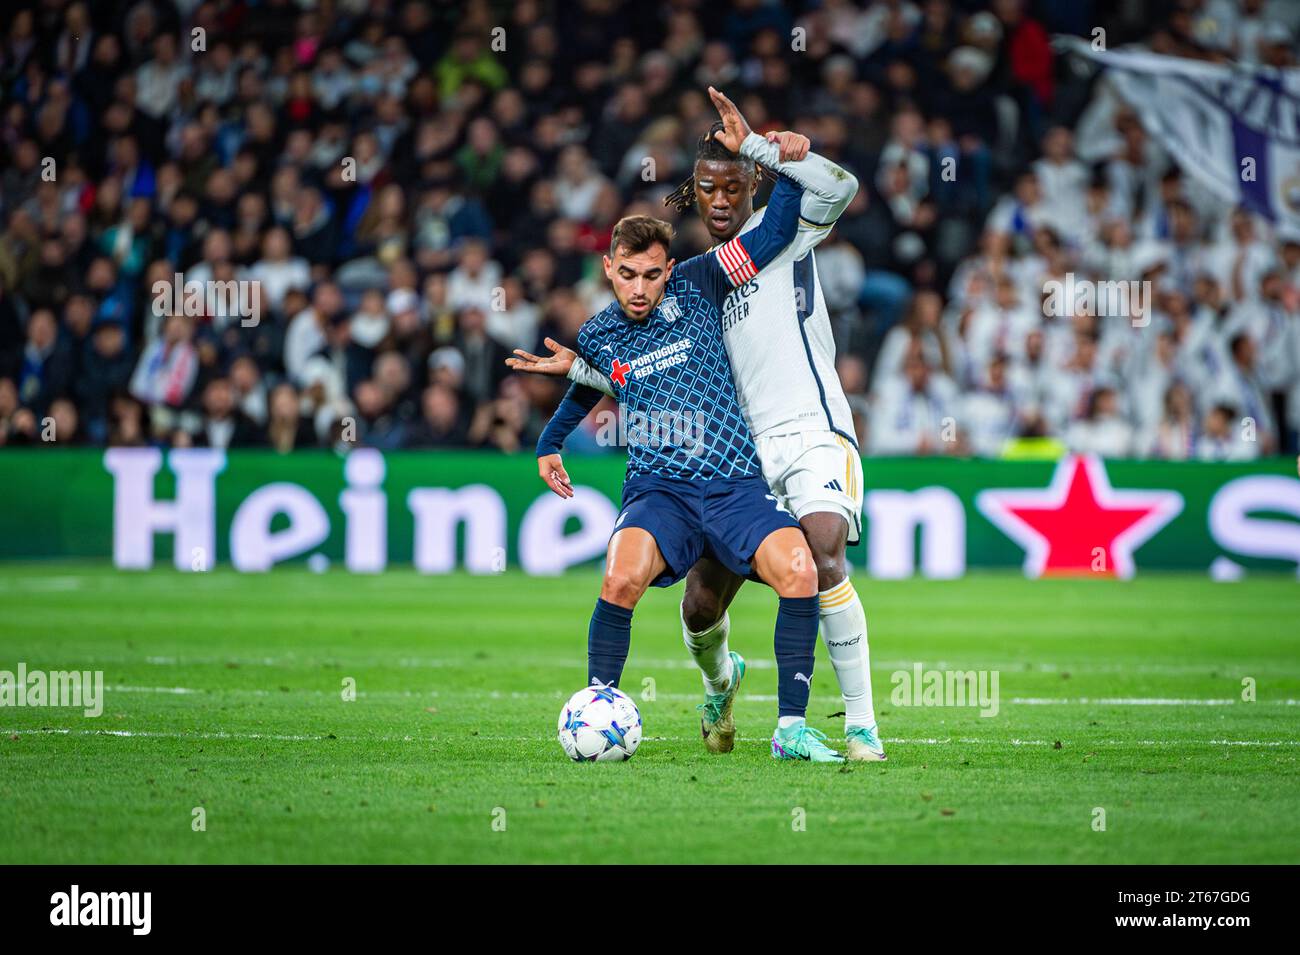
(686, 697)
(1022, 667)
(905, 741)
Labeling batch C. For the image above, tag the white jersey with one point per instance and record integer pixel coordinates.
(776, 328)
(778, 337)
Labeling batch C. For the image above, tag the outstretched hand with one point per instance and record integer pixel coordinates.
(557, 363)
(734, 128)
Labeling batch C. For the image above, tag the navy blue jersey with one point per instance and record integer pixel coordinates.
(672, 380)
(670, 372)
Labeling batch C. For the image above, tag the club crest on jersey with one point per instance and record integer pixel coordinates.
(669, 308)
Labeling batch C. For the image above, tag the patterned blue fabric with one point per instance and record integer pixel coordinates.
(673, 381)
(670, 373)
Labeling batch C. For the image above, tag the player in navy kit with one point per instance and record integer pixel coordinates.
(703, 495)
(777, 331)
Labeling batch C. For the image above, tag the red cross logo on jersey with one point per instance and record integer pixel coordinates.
(619, 372)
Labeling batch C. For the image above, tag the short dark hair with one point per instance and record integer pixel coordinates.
(638, 233)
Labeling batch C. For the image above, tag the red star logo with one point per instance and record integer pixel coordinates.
(1079, 524)
(619, 372)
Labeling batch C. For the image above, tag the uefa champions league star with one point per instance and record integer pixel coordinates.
(778, 337)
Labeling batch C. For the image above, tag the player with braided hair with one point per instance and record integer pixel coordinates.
(778, 338)
(709, 151)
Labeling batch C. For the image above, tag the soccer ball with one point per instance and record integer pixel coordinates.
(600, 723)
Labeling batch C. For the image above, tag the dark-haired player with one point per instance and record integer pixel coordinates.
(778, 337)
(660, 344)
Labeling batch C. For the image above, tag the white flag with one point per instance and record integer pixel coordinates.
(1233, 128)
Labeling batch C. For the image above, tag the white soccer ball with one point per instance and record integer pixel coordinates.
(600, 723)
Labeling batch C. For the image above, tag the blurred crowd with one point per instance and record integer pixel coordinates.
(416, 188)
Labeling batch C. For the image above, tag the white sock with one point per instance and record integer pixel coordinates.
(709, 648)
(844, 629)
(785, 722)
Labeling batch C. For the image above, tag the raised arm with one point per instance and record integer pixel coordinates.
(741, 258)
(827, 188)
(744, 256)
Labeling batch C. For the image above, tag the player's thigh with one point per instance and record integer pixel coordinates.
(739, 513)
(710, 588)
(826, 478)
(671, 512)
(784, 563)
(632, 563)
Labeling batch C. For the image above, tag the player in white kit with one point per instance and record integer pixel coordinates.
(782, 352)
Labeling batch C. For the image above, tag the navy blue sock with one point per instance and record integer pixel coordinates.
(608, 640)
(796, 646)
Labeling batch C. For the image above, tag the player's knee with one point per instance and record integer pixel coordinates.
(797, 579)
(701, 609)
(830, 570)
(827, 535)
(621, 589)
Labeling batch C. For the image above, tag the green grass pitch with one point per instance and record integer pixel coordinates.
(225, 692)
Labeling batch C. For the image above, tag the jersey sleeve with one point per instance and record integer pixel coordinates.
(742, 257)
(827, 189)
(577, 403)
(584, 374)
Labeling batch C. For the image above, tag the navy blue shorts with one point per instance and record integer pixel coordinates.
(725, 518)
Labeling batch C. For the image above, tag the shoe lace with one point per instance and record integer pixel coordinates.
(811, 738)
(712, 706)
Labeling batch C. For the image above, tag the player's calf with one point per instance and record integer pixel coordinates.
(785, 564)
(844, 630)
(710, 588)
(632, 563)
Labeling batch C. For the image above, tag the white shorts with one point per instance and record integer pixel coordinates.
(814, 471)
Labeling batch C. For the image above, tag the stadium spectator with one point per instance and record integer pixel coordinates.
(277, 271)
(914, 415)
(287, 428)
(105, 372)
(166, 374)
(47, 365)
(1221, 439)
(224, 424)
(441, 424)
(411, 201)
(1173, 438)
(1102, 430)
(989, 412)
